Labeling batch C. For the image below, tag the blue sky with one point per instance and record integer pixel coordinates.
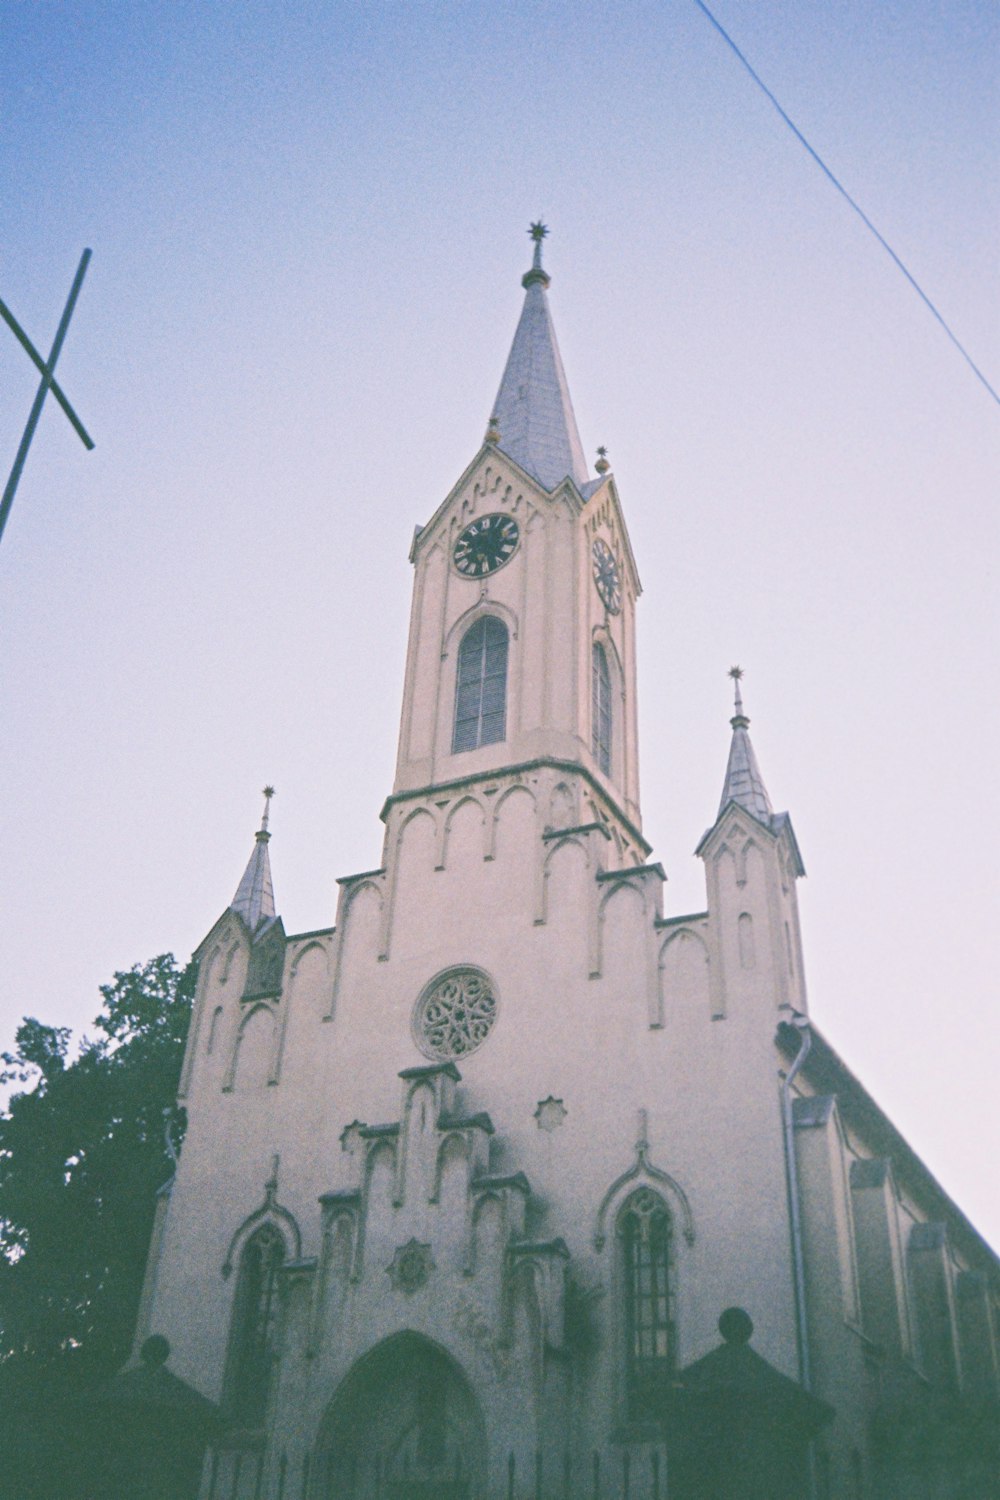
(308, 225)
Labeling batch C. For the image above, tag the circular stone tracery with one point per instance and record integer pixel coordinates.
(455, 1015)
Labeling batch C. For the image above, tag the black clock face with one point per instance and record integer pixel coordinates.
(486, 545)
(606, 577)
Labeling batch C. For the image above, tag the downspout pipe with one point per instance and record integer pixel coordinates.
(801, 1023)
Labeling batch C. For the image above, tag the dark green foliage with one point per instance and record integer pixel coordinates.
(82, 1155)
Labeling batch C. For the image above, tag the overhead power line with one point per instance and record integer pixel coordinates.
(831, 176)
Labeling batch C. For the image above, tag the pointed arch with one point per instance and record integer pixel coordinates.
(454, 1145)
(488, 1214)
(453, 812)
(227, 962)
(480, 716)
(684, 957)
(502, 612)
(571, 840)
(252, 1336)
(512, 792)
(269, 1212)
(601, 708)
(413, 818)
(206, 981)
(213, 1028)
(614, 889)
(643, 1174)
(404, 1413)
(246, 1021)
(311, 947)
(644, 1253)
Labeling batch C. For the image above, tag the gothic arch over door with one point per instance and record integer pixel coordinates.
(404, 1424)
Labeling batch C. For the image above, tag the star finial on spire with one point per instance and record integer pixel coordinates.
(602, 466)
(268, 794)
(538, 231)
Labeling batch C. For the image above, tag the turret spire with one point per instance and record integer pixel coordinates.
(744, 784)
(533, 412)
(254, 899)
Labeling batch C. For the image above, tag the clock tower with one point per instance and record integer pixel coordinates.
(521, 653)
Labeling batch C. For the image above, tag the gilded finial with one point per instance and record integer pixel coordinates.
(602, 466)
(493, 430)
(538, 231)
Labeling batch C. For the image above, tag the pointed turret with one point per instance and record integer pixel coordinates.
(752, 863)
(744, 784)
(533, 414)
(254, 899)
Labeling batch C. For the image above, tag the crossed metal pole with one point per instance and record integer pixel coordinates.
(48, 383)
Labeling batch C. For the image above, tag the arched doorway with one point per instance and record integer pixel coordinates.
(403, 1425)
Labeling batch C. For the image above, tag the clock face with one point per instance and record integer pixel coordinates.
(606, 577)
(486, 545)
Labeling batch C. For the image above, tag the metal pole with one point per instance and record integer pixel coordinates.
(43, 390)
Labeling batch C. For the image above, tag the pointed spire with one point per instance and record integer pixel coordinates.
(744, 783)
(533, 411)
(254, 899)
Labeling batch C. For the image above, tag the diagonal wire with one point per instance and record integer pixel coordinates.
(848, 199)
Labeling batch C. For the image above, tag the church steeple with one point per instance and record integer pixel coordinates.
(254, 899)
(744, 784)
(522, 635)
(533, 410)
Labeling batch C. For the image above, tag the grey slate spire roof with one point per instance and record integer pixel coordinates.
(744, 783)
(254, 899)
(533, 411)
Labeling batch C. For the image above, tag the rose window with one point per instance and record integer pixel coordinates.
(456, 1015)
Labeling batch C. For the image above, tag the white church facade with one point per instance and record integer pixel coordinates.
(470, 1177)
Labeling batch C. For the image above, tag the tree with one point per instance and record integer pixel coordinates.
(82, 1155)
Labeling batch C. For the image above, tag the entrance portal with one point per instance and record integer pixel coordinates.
(404, 1425)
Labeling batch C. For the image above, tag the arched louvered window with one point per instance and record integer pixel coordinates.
(255, 1307)
(644, 1232)
(481, 687)
(600, 678)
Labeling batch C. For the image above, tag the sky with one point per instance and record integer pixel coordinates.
(309, 227)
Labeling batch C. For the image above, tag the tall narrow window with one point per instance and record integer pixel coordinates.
(481, 687)
(601, 708)
(644, 1228)
(255, 1307)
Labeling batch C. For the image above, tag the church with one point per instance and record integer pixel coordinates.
(511, 1182)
